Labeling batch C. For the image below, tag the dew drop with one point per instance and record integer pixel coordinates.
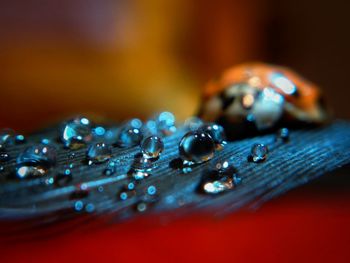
(20, 139)
(99, 131)
(4, 157)
(141, 207)
(76, 133)
(216, 132)
(223, 178)
(196, 147)
(152, 147)
(99, 153)
(259, 152)
(129, 137)
(151, 190)
(35, 161)
(78, 206)
(283, 135)
(7, 137)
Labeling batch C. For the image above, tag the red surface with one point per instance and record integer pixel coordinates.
(289, 229)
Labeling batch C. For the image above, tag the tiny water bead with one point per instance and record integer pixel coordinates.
(152, 147)
(129, 137)
(7, 137)
(99, 131)
(99, 152)
(4, 157)
(216, 132)
(35, 161)
(282, 134)
(76, 133)
(197, 147)
(259, 152)
(20, 139)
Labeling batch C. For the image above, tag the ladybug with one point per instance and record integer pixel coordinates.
(255, 98)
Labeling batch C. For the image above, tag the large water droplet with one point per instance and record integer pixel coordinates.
(76, 133)
(35, 161)
(129, 136)
(99, 153)
(152, 147)
(197, 147)
(259, 152)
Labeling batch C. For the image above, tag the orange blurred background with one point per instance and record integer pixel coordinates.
(128, 58)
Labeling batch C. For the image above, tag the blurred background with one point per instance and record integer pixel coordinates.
(127, 58)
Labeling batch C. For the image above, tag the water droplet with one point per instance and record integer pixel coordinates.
(4, 157)
(45, 141)
(99, 153)
(49, 181)
(151, 190)
(141, 207)
(223, 178)
(129, 137)
(197, 147)
(90, 208)
(78, 206)
(2, 168)
(35, 161)
(216, 132)
(126, 194)
(76, 133)
(20, 139)
(99, 131)
(141, 167)
(7, 137)
(282, 134)
(259, 152)
(136, 123)
(152, 147)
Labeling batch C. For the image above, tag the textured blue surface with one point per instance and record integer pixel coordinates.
(309, 154)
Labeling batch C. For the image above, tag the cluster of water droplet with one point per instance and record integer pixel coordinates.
(198, 145)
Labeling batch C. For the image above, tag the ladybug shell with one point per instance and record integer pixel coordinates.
(300, 100)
